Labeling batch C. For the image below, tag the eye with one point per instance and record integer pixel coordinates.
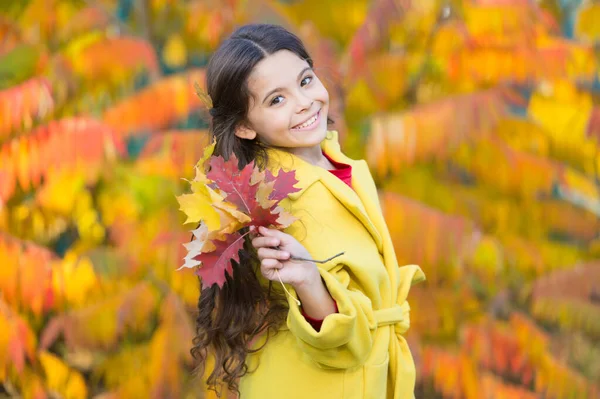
(274, 100)
(310, 78)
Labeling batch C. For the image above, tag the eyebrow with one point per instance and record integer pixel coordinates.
(279, 88)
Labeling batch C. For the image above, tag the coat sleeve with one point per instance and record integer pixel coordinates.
(346, 338)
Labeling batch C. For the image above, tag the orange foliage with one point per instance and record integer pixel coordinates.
(484, 192)
(26, 275)
(372, 33)
(102, 323)
(170, 99)
(108, 59)
(17, 341)
(421, 234)
(579, 282)
(24, 104)
(67, 143)
(171, 153)
(431, 131)
(496, 348)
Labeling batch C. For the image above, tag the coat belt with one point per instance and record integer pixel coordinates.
(397, 315)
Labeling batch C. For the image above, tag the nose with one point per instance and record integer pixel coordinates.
(304, 103)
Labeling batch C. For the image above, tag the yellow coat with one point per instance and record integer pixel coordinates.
(359, 352)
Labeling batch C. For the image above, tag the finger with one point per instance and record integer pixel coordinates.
(273, 233)
(264, 253)
(269, 264)
(260, 242)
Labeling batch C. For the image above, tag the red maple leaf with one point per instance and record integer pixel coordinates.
(218, 262)
(284, 184)
(264, 217)
(234, 183)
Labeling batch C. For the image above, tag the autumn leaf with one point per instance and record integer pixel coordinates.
(283, 184)
(256, 194)
(197, 246)
(198, 206)
(218, 262)
(61, 378)
(202, 164)
(238, 198)
(234, 183)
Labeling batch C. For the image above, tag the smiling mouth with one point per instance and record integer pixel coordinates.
(309, 123)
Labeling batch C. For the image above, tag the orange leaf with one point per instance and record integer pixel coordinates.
(112, 57)
(430, 131)
(157, 106)
(31, 100)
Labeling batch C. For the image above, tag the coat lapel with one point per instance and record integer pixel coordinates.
(355, 199)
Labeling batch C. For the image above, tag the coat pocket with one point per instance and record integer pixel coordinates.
(375, 380)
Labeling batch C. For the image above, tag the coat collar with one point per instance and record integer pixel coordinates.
(358, 200)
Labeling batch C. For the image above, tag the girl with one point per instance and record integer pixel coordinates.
(339, 334)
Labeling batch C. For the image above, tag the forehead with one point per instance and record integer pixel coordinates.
(276, 70)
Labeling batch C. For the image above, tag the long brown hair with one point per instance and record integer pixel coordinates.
(232, 316)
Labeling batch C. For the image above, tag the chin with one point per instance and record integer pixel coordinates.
(312, 138)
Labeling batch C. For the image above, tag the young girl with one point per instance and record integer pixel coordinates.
(339, 333)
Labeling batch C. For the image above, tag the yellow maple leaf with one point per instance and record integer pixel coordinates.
(197, 207)
(201, 165)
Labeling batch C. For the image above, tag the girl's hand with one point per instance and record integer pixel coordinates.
(295, 272)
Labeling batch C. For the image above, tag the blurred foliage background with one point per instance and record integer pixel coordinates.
(480, 120)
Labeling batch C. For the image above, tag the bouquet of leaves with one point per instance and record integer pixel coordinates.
(225, 199)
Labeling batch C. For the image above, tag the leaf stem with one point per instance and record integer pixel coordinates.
(317, 261)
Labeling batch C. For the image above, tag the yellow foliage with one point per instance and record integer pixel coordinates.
(62, 379)
(126, 371)
(503, 22)
(535, 175)
(564, 112)
(449, 39)
(32, 385)
(62, 191)
(332, 21)
(524, 135)
(5, 328)
(117, 206)
(74, 278)
(587, 26)
(472, 189)
(186, 285)
(174, 53)
(75, 46)
(487, 259)
(360, 100)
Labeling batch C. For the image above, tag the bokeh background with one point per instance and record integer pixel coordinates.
(480, 120)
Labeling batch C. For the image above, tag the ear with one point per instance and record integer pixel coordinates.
(244, 132)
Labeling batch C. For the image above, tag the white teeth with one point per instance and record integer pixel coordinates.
(308, 122)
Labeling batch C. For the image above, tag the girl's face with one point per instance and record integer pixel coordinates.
(288, 104)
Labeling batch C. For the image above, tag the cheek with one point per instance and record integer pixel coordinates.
(273, 121)
(322, 93)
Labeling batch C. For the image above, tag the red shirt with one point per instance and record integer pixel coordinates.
(344, 173)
